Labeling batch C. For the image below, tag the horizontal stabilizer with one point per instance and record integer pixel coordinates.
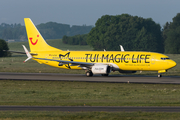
(19, 52)
(27, 53)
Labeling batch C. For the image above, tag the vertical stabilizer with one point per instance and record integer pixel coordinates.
(36, 41)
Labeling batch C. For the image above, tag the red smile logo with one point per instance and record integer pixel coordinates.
(33, 43)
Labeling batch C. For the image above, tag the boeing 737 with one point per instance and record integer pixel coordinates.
(94, 62)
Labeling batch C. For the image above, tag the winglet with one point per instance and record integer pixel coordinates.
(121, 47)
(27, 53)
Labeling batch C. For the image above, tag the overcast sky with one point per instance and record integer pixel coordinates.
(79, 12)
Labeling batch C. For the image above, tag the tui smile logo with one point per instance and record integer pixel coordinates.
(33, 43)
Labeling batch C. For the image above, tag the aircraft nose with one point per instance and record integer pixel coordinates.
(172, 63)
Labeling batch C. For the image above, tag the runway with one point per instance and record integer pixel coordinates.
(96, 78)
(89, 108)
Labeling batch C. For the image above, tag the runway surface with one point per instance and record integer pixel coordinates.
(88, 108)
(96, 78)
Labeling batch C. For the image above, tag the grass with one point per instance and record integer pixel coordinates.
(15, 64)
(57, 43)
(59, 93)
(49, 115)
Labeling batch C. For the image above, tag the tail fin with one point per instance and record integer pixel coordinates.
(36, 41)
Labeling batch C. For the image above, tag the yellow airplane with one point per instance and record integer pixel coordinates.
(94, 62)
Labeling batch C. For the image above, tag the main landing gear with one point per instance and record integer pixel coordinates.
(89, 73)
(159, 75)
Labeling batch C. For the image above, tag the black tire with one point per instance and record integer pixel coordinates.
(89, 74)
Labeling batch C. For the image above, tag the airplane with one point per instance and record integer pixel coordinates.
(93, 62)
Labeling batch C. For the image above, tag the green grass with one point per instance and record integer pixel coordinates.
(15, 64)
(57, 43)
(59, 93)
(51, 115)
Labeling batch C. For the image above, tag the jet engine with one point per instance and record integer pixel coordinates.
(101, 69)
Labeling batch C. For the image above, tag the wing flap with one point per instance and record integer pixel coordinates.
(73, 63)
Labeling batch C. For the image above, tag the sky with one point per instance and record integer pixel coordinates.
(85, 12)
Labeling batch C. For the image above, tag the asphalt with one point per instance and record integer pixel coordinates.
(96, 78)
(89, 108)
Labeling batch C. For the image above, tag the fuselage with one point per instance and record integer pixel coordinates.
(127, 60)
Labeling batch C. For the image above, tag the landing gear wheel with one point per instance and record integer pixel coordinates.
(159, 75)
(104, 74)
(89, 73)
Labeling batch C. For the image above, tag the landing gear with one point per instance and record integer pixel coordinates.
(159, 75)
(104, 74)
(89, 73)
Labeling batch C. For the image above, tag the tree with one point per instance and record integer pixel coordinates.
(3, 46)
(171, 34)
(75, 40)
(53, 30)
(134, 33)
(49, 30)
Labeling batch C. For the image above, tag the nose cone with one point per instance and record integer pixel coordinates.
(172, 64)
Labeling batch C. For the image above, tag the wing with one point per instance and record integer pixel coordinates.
(73, 63)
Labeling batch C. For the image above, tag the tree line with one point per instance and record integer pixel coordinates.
(12, 31)
(134, 33)
(50, 30)
(53, 30)
(75, 40)
(171, 35)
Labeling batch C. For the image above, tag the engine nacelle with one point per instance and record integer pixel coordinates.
(101, 69)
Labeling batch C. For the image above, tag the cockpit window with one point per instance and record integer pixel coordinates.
(165, 58)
